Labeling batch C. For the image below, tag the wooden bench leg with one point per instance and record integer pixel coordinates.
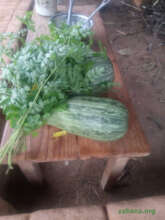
(31, 171)
(6, 208)
(113, 171)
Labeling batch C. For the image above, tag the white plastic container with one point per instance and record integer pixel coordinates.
(46, 7)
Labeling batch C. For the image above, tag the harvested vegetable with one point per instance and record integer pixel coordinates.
(96, 118)
(43, 74)
(56, 71)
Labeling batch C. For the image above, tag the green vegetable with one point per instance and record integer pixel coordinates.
(69, 71)
(101, 75)
(42, 75)
(100, 119)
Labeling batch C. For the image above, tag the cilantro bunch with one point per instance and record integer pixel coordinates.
(60, 68)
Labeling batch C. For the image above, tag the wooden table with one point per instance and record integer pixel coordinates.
(44, 148)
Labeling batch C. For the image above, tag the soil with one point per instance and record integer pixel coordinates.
(141, 58)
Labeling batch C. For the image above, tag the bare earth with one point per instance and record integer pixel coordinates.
(142, 63)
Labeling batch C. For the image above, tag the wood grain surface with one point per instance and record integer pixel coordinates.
(9, 9)
(44, 148)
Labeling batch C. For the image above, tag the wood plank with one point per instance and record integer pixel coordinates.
(6, 12)
(9, 10)
(152, 208)
(44, 148)
(76, 213)
(113, 171)
(14, 24)
(31, 171)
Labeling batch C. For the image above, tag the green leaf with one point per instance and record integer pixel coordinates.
(27, 20)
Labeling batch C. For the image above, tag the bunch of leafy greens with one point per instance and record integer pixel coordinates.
(40, 77)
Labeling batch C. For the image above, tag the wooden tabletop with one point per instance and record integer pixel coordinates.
(44, 148)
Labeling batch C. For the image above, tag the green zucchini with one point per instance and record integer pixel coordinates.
(99, 78)
(96, 118)
(101, 75)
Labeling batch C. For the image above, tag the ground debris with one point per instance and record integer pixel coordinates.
(125, 52)
(156, 121)
(154, 15)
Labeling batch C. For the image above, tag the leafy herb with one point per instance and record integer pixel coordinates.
(27, 21)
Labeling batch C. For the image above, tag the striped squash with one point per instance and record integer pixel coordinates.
(96, 118)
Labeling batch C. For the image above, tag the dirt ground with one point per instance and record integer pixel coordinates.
(142, 63)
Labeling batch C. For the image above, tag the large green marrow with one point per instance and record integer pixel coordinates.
(96, 118)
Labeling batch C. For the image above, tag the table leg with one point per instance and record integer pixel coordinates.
(113, 171)
(6, 208)
(31, 171)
